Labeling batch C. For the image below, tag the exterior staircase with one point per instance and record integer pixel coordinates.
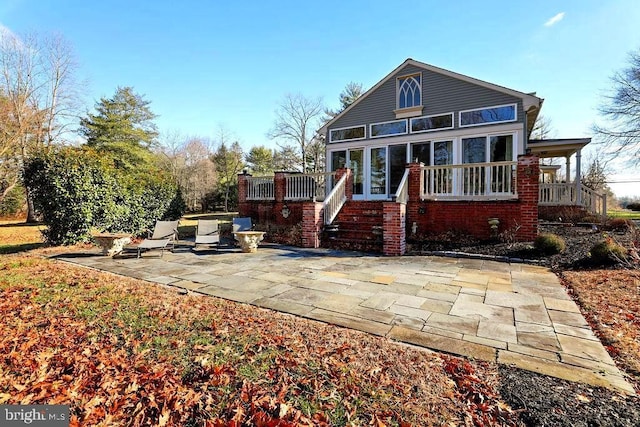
(358, 227)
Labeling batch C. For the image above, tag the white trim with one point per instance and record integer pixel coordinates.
(364, 127)
(515, 115)
(405, 77)
(372, 136)
(427, 117)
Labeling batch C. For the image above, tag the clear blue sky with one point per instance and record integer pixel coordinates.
(208, 63)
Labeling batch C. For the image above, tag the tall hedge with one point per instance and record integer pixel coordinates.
(77, 191)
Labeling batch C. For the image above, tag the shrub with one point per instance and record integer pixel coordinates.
(635, 206)
(619, 224)
(607, 251)
(76, 190)
(549, 243)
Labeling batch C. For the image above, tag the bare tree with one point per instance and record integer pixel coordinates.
(542, 128)
(189, 162)
(37, 83)
(296, 122)
(622, 109)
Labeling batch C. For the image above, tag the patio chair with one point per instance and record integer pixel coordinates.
(207, 232)
(241, 224)
(164, 235)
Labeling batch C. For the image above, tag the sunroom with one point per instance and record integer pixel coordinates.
(468, 162)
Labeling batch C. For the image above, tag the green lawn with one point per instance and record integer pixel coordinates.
(623, 213)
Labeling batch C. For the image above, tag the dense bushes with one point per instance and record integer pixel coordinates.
(76, 190)
(14, 202)
(549, 243)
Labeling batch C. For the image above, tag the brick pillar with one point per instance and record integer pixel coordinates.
(414, 181)
(528, 176)
(243, 205)
(279, 186)
(311, 224)
(349, 184)
(394, 228)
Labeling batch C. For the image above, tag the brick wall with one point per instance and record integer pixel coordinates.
(519, 216)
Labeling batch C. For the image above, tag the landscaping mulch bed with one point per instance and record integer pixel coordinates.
(579, 240)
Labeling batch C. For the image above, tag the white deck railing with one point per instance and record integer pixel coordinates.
(495, 180)
(309, 186)
(565, 194)
(260, 188)
(335, 200)
(402, 193)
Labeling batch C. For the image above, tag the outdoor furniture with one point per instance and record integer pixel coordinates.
(165, 234)
(207, 232)
(249, 240)
(242, 224)
(112, 243)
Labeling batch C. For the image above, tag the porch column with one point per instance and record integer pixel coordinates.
(528, 176)
(567, 175)
(394, 228)
(578, 179)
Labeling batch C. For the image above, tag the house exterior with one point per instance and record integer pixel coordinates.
(424, 113)
(425, 151)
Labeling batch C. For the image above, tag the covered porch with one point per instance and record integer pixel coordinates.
(555, 191)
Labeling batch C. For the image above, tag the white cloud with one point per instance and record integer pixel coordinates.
(554, 20)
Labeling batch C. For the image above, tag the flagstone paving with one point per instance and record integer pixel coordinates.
(515, 314)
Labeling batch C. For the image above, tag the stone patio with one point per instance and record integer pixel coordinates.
(515, 314)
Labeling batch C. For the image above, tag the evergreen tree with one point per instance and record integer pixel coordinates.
(123, 127)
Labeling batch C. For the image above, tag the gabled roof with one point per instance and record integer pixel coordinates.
(528, 99)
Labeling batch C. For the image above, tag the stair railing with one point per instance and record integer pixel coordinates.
(402, 193)
(335, 200)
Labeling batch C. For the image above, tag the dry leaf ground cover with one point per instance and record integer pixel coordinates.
(125, 352)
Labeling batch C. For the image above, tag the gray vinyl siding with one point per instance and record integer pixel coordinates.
(440, 94)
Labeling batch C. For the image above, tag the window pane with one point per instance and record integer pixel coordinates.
(422, 124)
(347, 134)
(391, 128)
(443, 153)
(506, 113)
(378, 171)
(421, 153)
(409, 91)
(357, 168)
(338, 160)
(397, 165)
(501, 148)
(474, 150)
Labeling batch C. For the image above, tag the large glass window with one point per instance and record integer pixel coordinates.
(356, 163)
(499, 114)
(409, 91)
(429, 123)
(443, 153)
(346, 134)
(421, 153)
(397, 127)
(338, 160)
(397, 166)
(378, 172)
(501, 148)
(474, 150)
